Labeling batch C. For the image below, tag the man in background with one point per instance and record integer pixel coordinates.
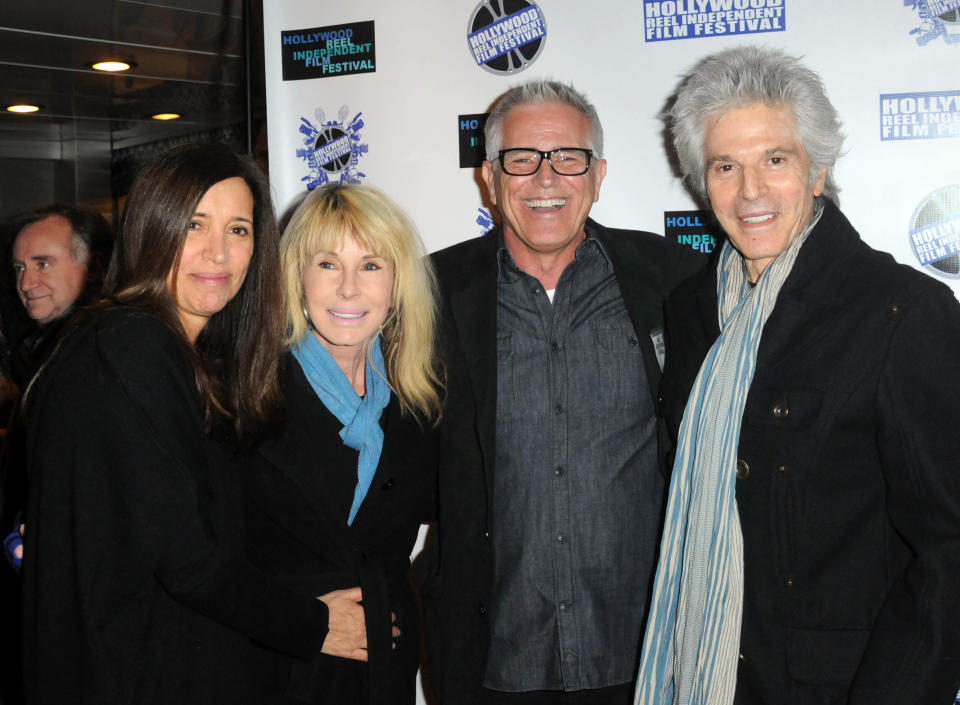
(60, 254)
(59, 257)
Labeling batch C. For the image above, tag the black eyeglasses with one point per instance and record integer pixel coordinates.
(566, 161)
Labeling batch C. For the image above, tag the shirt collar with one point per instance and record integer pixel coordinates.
(509, 271)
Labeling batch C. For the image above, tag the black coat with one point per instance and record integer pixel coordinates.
(458, 567)
(849, 498)
(132, 516)
(299, 490)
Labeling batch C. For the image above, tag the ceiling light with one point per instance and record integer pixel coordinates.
(23, 108)
(166, 116)
(111, 66)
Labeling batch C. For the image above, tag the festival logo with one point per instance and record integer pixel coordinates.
(935, 232)
(485, 221)
(938, 19)
(338, 50)
(332, 149)
(919, 116)
(506, 36)
(692, 19)
(697, 230)
(472, 145)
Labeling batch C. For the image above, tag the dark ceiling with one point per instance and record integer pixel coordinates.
(187, 56)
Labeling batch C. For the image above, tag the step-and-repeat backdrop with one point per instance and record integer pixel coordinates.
(395, 95)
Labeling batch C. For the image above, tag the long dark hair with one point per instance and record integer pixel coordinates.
(236, 355)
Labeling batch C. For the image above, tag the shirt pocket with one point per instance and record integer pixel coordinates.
(506, 384)
(621, 378)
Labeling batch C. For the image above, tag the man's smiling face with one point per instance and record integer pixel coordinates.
(544, 212)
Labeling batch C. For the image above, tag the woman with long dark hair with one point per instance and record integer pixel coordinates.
(130, 567)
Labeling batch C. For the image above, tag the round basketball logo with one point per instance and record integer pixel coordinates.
(506, 36)
(331, 147)
(935, 232)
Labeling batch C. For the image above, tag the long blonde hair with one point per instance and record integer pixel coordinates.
(408, 338)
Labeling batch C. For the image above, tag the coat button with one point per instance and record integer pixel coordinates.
(789, 581)
(743, 469)
(781, 411)
(482, 609)
(486, 534)
(782, 468)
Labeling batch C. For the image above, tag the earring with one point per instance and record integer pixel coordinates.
(307, 316)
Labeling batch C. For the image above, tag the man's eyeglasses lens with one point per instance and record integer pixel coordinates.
(567, 161)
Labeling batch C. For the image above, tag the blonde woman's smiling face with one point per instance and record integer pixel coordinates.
(347, 295)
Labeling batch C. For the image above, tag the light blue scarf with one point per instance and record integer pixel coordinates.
(360, 416)
(693, 631)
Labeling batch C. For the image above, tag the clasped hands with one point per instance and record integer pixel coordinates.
(347, 628)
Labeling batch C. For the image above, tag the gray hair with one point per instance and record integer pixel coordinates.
(540, 91)
(743, 76)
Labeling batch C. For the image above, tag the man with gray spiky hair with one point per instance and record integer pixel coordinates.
(551, 486)
(811, 548)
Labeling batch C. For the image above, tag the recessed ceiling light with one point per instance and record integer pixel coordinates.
(111, 66)
(166, 116)
(23, 108)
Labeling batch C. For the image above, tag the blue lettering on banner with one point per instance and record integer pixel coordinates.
(939, 19)
(942, 7)
(936, 241)
(506, 34)
(694, 229)
(328, 51)
(935, 232)
(912, 116)
(666, 20)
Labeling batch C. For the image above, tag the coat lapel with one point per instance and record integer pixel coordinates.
(473, 304)
(808, 301)
(313, 510)
(643, 303)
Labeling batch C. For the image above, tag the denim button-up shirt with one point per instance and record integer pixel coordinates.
(577, 491)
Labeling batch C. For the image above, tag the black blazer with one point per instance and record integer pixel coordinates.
(849, 500)
(458, 567)
(299, 489)
(129, 559)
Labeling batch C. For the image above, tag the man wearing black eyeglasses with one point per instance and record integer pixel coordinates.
(551, 479)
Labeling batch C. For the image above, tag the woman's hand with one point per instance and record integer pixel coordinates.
(347, 629)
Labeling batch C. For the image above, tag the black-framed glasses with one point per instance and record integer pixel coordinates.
(566, 161)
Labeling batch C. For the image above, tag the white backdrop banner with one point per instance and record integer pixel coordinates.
(395, 94)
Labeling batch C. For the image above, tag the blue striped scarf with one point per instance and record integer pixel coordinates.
(693, 630)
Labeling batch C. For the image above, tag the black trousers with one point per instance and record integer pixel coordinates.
(612, 695)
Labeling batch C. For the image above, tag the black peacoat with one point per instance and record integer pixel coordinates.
(299, 488)
(129, 555)
(458, 566)
(848, 488)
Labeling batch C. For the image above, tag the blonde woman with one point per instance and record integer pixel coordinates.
(335, 501)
